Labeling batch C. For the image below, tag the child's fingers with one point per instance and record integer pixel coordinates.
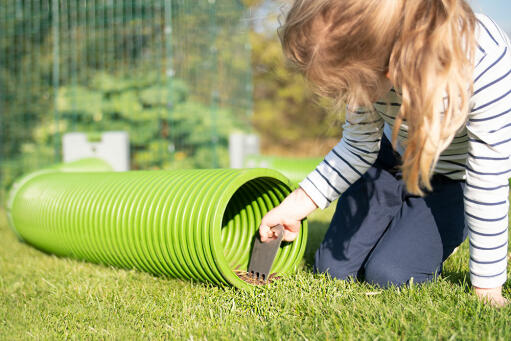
(271, 219)
(265, 233)
(289, 236)
(291, 231)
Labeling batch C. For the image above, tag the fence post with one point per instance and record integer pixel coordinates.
(56, 64)
(169, 73)
(215, 94)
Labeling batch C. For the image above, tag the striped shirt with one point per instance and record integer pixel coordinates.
(479, 153)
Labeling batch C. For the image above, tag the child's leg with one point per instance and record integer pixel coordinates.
(421, 236)
(363, 214)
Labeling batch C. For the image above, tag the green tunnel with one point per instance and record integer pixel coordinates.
(190, 224)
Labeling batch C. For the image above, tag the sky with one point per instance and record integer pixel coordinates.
(498, 10)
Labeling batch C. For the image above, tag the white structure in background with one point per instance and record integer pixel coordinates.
(114, 148)
(240, 146)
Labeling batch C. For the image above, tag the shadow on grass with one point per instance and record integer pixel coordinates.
(461, 278)
(316, 233)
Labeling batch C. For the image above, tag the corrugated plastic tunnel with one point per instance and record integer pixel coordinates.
(190, 224)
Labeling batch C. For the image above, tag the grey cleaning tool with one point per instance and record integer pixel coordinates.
(263, 255)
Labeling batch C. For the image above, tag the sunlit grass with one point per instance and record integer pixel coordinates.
(45, 297)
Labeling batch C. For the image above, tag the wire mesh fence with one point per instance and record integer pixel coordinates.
(174, 74)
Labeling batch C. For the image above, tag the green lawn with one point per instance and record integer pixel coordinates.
(45, 297)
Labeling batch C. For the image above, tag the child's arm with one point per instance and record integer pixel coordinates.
(488, 171)
(344, 165)
(352, 157)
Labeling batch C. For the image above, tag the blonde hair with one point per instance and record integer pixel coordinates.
(345, 48)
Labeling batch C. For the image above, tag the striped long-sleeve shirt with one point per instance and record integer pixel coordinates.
(480, 154)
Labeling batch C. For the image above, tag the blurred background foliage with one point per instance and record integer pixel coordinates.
(138, 106)
(175, 74)
(178, 75)
(287, 116)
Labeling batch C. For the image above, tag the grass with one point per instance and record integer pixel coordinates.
(46, 297)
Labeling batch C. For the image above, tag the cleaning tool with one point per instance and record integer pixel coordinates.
(263, 254)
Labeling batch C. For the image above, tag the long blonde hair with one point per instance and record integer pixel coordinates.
(345, 48)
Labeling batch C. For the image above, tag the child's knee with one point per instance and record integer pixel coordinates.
(325, 263)
(385, 274)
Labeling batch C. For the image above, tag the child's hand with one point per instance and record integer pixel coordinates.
(289, 214)
(492, 296)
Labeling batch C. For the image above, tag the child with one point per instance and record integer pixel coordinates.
(432, 80)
